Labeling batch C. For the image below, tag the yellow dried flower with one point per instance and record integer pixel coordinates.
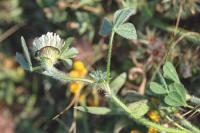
(154, 115)
(78, 65)
(152, 130)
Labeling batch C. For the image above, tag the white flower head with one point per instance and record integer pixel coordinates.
(50, 48)
(47, 48)
(48, 40)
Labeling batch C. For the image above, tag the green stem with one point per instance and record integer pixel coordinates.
(109, 56)
(144, 121)
(79, 79)
(36, 68)
(53, 72)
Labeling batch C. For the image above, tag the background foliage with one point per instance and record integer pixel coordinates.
(28, 102)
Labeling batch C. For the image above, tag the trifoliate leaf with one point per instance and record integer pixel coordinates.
(169, 72)
(157, 88)
(106, 28)
(94, 110)
(127, 31)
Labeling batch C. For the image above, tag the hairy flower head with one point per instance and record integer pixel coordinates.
(48, 40)
(47, 48)
(50, 47)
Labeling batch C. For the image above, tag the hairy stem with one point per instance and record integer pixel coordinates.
(109, 56)
(56, 74)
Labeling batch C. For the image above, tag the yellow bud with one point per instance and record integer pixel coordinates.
(74, 73)
(78, 65)
(82, 72)
(74, 87)
(154, 115)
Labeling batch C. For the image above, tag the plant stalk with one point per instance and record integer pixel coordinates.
(56, 74)
(109, 56)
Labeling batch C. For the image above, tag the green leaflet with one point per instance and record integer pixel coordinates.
(68, 61)
(157, 88)
(121, 16)
(118, 82)
(139, 108)
(22, 61)
(72, 52)
(169, 72)
(106, 28)
(174, 99)
(68, 42)
(68, 53)
(94, 110)
(26, 53)
(127, 30)
(178, 88)
(176, 96)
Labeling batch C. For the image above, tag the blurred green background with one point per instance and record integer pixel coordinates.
(28, 101)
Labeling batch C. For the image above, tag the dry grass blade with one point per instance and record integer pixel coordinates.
(10, 31)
